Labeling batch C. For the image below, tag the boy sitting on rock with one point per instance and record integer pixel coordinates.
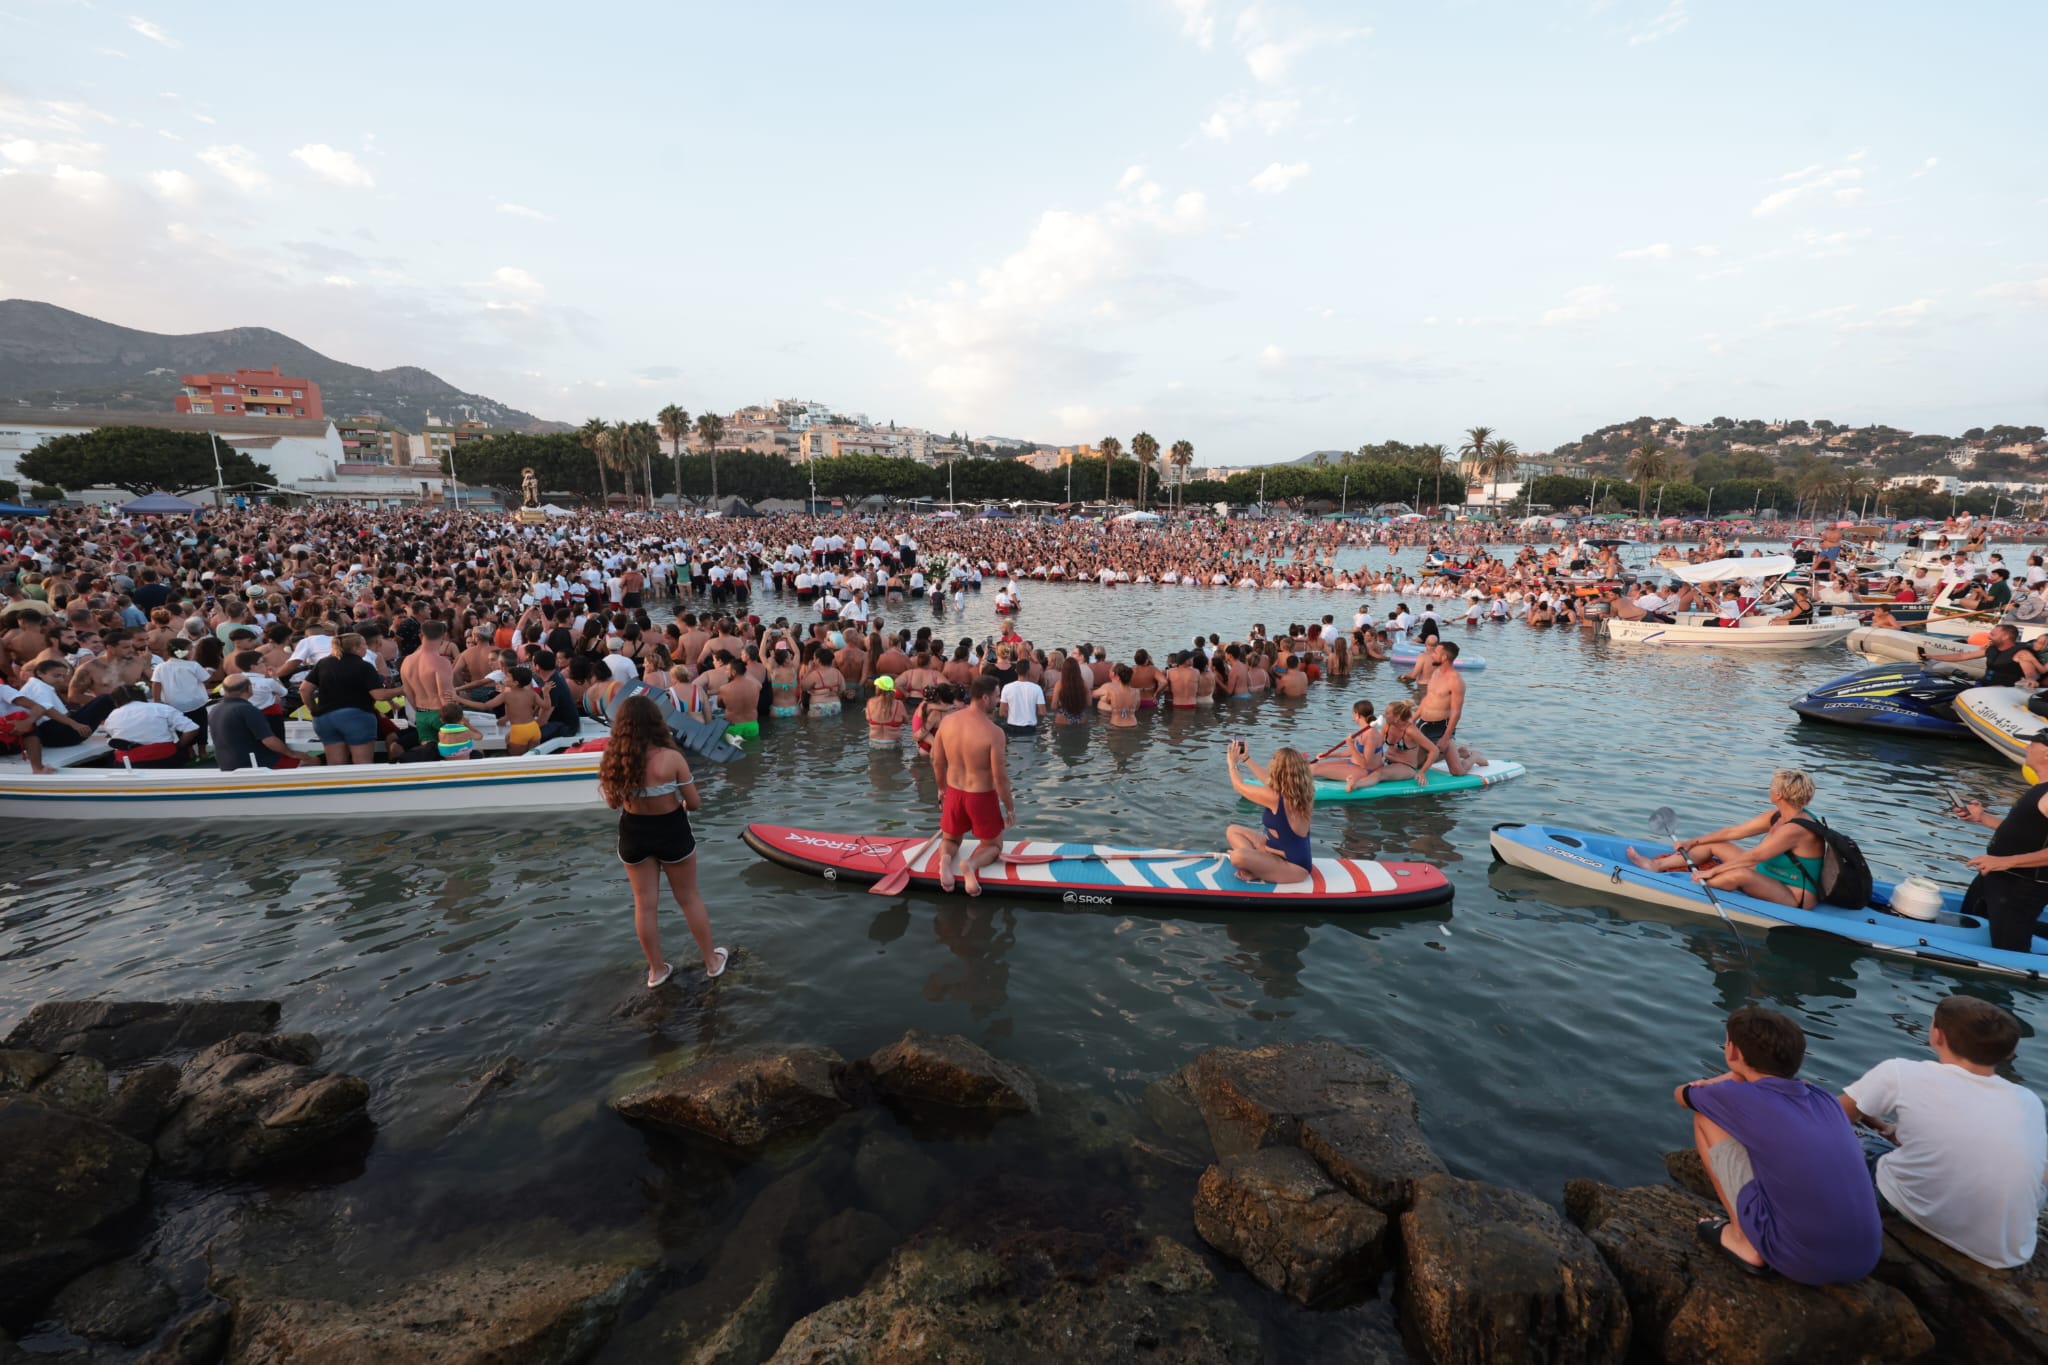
(1783, 1158)
(1972, 1146)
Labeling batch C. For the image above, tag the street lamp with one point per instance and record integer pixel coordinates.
(1344, 497)
(218, 489)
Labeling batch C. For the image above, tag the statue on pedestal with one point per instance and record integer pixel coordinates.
(530, 486)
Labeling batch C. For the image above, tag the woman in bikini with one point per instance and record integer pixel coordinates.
(822, 681)
(1145, 676)
(885, 716)
(1407, 752)
(940, 700)
(644, 777)
(1786, 865)
(1278, 851)
(1119, 698)
(1070, 696)
(1364, 751)
(782, 682)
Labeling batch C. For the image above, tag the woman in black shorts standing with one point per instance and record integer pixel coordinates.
(644, 777)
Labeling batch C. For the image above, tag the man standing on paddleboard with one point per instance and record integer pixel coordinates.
(968, 760)
(1443, 706)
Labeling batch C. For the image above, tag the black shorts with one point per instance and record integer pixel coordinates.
(630, 601)
(664, 838)
(2012, 904)
(1434, 729)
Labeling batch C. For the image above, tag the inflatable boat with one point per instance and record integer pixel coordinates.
(1600, 862)
(1999, 716)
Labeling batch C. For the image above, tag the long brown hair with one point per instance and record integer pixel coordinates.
(1072, 694)
(1290, 776)
(637, 730)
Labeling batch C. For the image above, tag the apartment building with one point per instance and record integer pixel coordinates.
(250, 393)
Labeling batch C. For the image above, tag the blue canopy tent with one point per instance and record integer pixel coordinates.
(9, 509)
(994, 513)
(165, 503)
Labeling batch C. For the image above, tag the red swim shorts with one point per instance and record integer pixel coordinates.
(979, 811)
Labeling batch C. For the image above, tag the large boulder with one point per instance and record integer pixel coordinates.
(488, 1306)
(743, 1099)
(897, 1179)
(1277, 1213)
(1493, 1274)
(124, 1302)
(64, 1180)
(1976, 1312)
(950, 1070)
(118, 1032)
(22, 1068)
(1690, 1304)
(940, 1301)
(1344, 1108)
(197, 1339)
(254, 1103)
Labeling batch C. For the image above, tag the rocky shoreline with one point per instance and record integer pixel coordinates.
(1289, 1183)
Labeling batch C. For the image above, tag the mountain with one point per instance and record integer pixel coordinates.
(51, 356)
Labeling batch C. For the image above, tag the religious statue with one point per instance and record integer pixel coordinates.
(530, 486)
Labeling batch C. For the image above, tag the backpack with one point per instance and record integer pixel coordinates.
(1845, 874)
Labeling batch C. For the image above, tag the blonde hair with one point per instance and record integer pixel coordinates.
(1290, 776)
(1793, 785)
(1398, 711)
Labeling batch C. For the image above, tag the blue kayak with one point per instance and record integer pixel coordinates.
(1600, 862)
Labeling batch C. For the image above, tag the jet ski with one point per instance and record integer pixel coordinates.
(1912, 698)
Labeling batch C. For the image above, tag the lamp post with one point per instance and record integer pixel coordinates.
(1710, 504)
(1344, 497)
(217, 480)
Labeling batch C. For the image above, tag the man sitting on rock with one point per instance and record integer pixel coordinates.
(1972, 1148)
(1783, 1159)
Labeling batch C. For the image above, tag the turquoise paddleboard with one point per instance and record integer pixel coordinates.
(1440, 780)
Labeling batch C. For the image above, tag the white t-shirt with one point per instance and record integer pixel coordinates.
(313, 649)
(622, 668)
(1022, 700)
(183, 683)
(1972, 1152)
(147, 722)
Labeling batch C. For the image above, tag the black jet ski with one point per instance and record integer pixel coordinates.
(1912, 698)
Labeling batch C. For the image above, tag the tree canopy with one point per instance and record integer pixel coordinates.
(140, 460)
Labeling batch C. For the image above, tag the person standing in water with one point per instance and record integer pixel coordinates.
(644, 777)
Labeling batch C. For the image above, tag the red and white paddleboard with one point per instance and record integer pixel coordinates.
(1106, 875)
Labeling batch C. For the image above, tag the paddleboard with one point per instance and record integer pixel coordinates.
(1600, 862)
(1440, 782)
(1098, 876)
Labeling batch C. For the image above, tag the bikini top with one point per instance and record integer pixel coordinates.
(658, 789)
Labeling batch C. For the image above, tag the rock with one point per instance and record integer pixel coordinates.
(950, 1070)
(743, 1099)
(1977, 1313)
(940, 1301)
(897, 1179)
(125, 1302)
(845, 1249)
(1685, 1167)
(500, 1075)
(1278, 1214)
(200, 1339)
(30, 1275)
(1493, 1274)
(1344, 1108)
(1178, 1132)
(118, 1032)
(64, 1178)
(1691, 1305)
(20, 1068)
(497, 1306)
(78, 1084)
(143, 1100)
(753, 1328)
(253, 1103)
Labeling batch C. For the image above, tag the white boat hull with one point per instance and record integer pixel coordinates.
(1758, 636)
(394, 794)
(1999, 716)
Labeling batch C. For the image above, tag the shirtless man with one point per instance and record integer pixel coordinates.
(968, 761)
(1443, 706)
(723, 640)
(477, 661)
(1182, 683)
(429, 677)
(690, 648)
(739, 697)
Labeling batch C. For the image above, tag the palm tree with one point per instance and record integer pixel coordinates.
(602, 446)
(1146, 450)
(675, 429)
(1438, 454)
(711, 430)
(1817, 481)
(1111, 448)
(1498, 458)
(1648, 463)
(1474, 449)
(1182, 456)
(645, 443)
(589, 435)
(1321, 459)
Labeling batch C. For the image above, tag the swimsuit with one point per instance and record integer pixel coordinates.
(745, 729)
(667, 837)
(962, 810)
(524, 735)
(1281, 839)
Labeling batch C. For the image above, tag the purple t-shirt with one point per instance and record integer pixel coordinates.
(1812, 1210)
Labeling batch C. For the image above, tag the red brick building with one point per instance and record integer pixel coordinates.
(251, 393)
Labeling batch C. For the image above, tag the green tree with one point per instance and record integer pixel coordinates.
(592, 434)
(1182, 456)
(1650, 462)
(1499, 458)
(674, 422)
(1144, 449)
(140, 460)
(1474, 449)
(711, 430)
(1111, 447)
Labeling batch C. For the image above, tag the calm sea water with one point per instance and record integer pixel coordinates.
(1542, 1026)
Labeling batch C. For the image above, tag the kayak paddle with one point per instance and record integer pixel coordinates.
(898, 876)
(1664, 824)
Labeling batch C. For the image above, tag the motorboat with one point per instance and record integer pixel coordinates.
(1747, 630)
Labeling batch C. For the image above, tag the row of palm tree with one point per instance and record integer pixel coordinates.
(1145, 450)
(627, 447)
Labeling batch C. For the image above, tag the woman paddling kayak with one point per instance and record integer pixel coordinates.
(1784, 867)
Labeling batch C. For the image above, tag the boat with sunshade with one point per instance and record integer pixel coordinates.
(1747, 630)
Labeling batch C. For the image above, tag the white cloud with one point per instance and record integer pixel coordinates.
(339, 281)
(1811, 180)
(1197, 21)
(1028, 324)
(24, 151)
(2033, 292)
(151, 31)
(1667, 22)
(1705, 250)
(48, 116)
(1271, 49)
(1582, 305)
(1240, 113)
(1824, 244)
(207, 119)
(334, 166)
(512, 290)
(1656, 251)
(1276, 178)
(521, 211)
(176, 186)
(236, 164)
(1906, 317)
(1272, 358)
(1929, 164)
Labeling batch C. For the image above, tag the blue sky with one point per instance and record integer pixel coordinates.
(1266, 228)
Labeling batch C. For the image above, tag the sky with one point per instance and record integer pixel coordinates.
(1266, 228)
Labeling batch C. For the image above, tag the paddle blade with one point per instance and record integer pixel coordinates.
(1016, 859)
(893, 881)
(1664, 822)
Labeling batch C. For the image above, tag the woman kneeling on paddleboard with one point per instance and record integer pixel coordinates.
(644, 777)
(1784, 867)
(1285, 791)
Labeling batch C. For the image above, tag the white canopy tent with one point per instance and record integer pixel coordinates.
(1735, 570)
